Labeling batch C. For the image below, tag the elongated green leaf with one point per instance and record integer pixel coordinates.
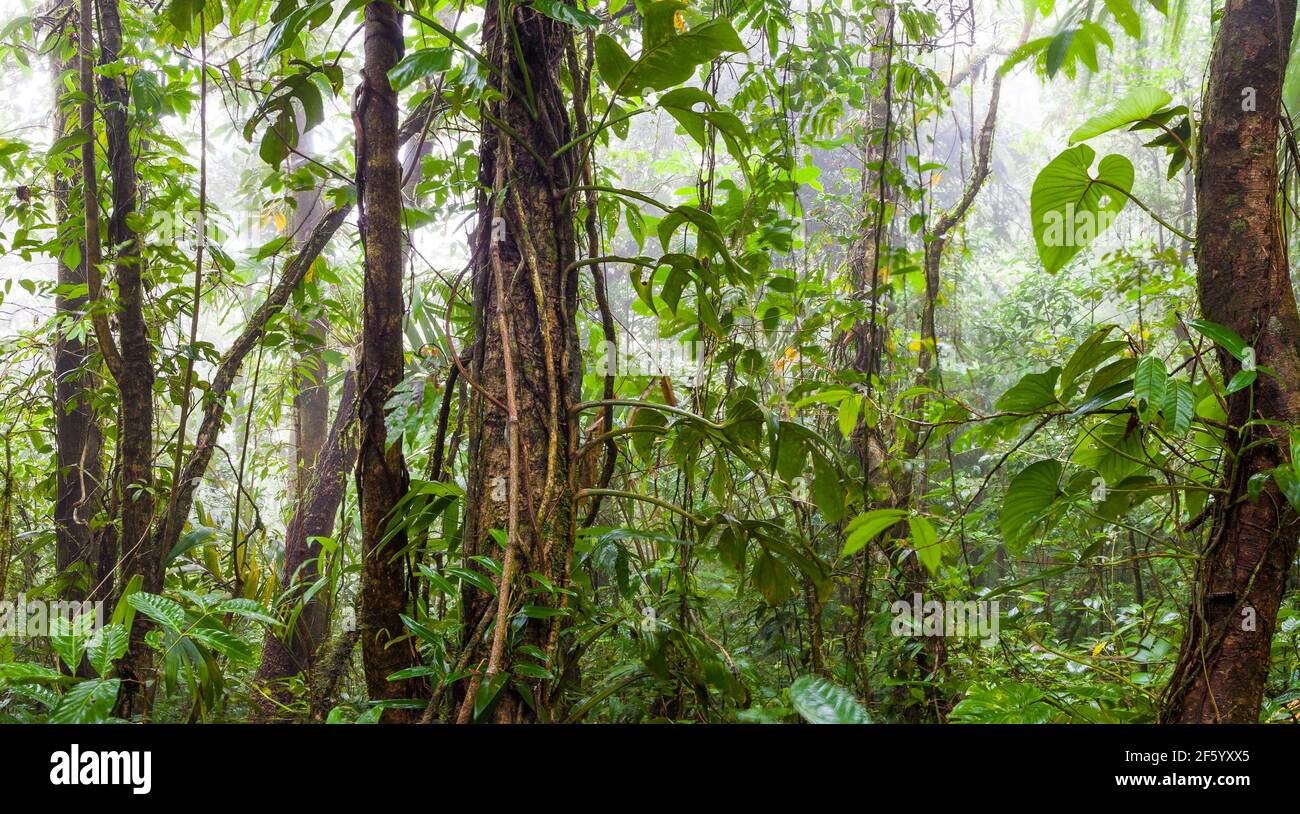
(865, 527)
(926, 543)
(1127, 17)
(87, 703)
(1149, 386)
(819, 701)
(1091, 352)
(1180, 406)
(1220, 335)
(249, 609)
(160, 609)
(1139, 103)
(107, 646)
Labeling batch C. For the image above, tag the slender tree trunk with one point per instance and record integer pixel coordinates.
(931, 659)
(526, 359)
(78, 437)
(381, 470)
(135, 384)
(311, 400)
(318, 505)
(867, 333)
(1242, 272)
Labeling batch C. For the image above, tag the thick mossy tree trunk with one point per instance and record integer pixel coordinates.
(1242, 271)
(526, 361)
(381, 469)
(78, 437)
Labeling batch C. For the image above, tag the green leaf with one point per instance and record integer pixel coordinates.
(1091, 352)
(160, 609)
(1113, 447)
(926, 543)
(1029, 496)
(249, 609)
(1138, 104)
(1149, 386)
(193, 538)
(612, 62)
(773, 580)
(819, 701)
(1057, 49)
(107, 646)
(865, 527)
(1241, 380)
(1289, 483)
(87, 703)
(643, 441)
(670, 59)
(1070, 208)
(847, 419)
(827, 489)
(1128, 19)
(419, 64)
(1033, 392)
(558, 10)
(1221, 335)
(1180, 406)
(224, 642)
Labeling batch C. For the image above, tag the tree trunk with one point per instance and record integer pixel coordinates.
(78, 437)
(381, 470)
(318, 504)
(1242, 271)
(526, 357)
(311, 399)
(135, 384)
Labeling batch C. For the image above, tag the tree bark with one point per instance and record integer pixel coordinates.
(78, 437)
(135, 384)
(311, 399)
(381, 470)
(1242, 272)
(313, 518)
(526, 360)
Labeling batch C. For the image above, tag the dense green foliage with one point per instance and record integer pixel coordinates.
(798, 447)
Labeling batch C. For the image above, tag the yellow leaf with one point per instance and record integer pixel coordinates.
(914, 346)
(1096, 651)
(280, 221)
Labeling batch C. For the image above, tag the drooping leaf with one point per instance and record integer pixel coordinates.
(1029, 496)
(865, 527)
(1149, 385)
(1070, 208)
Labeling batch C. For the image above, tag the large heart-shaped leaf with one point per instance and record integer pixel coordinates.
(1070, 207)
(1028, 499)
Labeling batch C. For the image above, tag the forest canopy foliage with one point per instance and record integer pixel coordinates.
(837, 361)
